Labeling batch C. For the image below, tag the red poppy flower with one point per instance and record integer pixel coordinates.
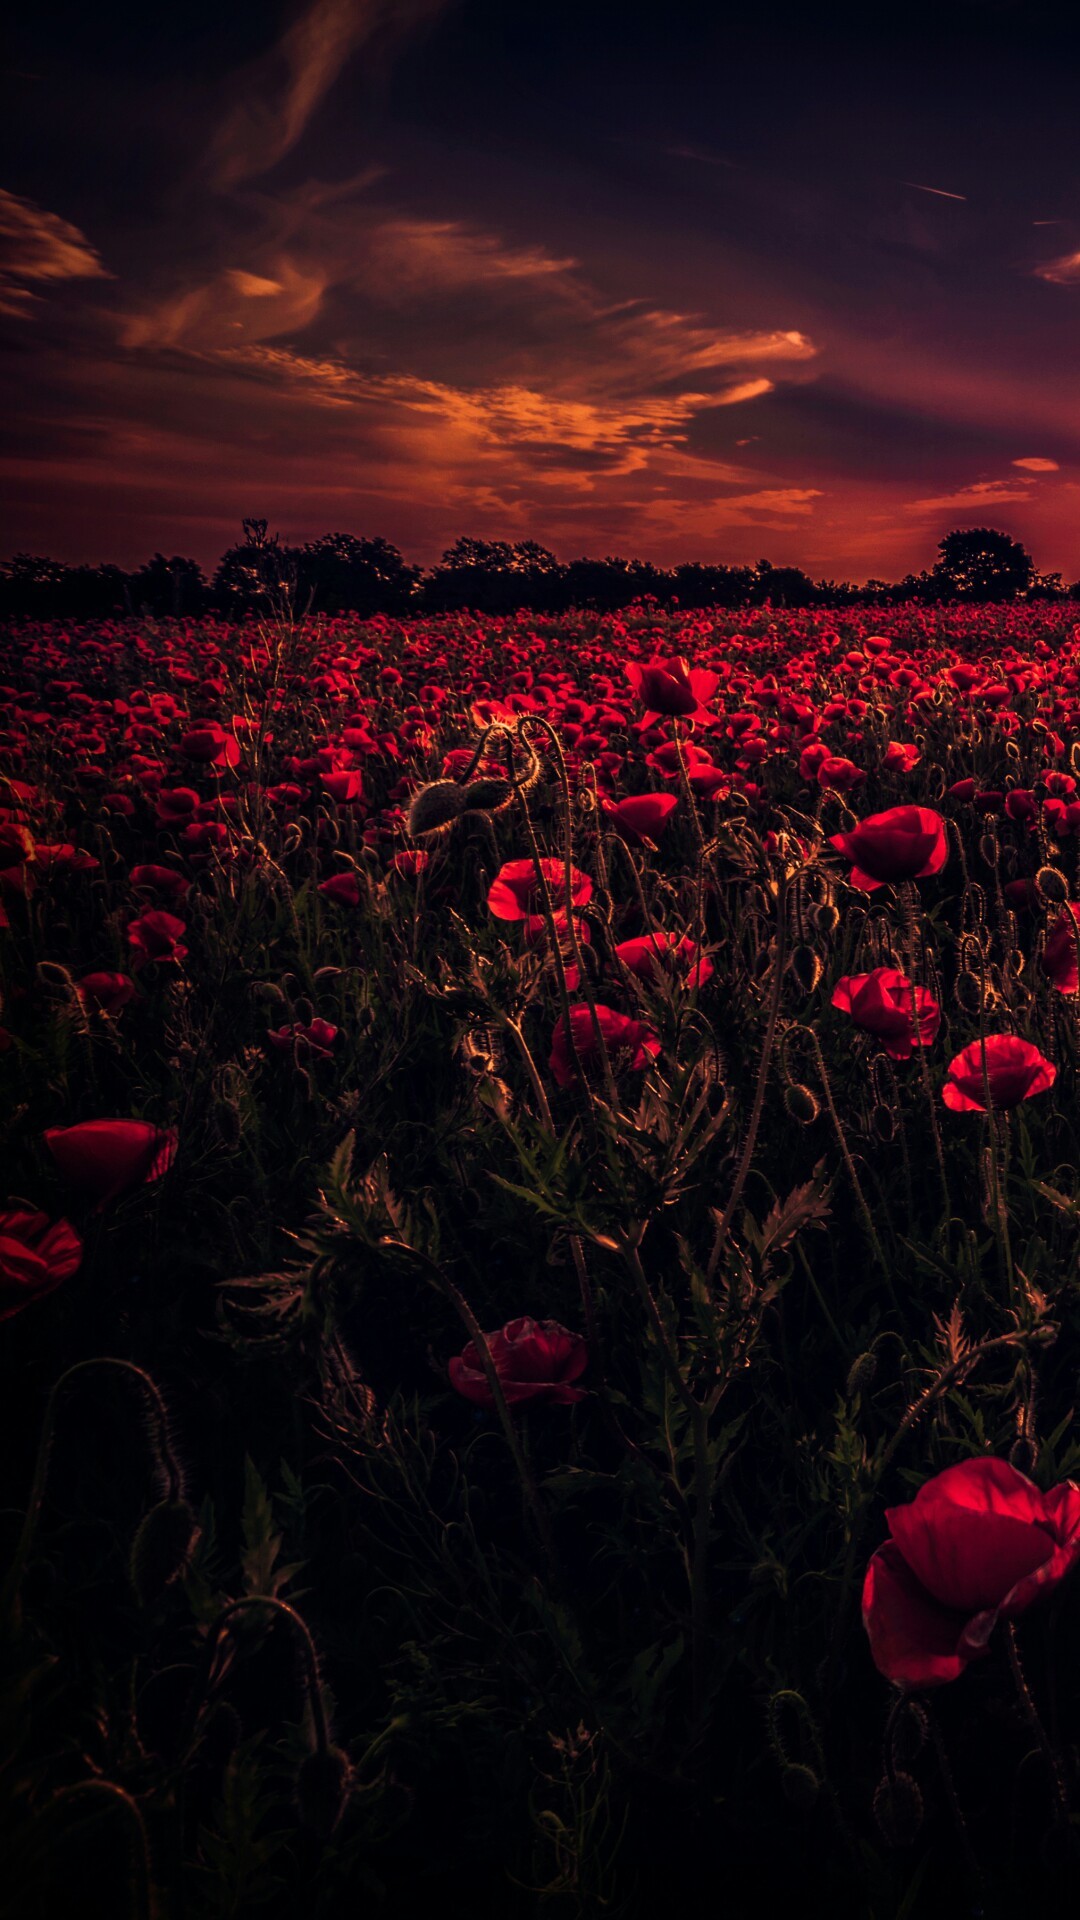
(653, 954)
(978, 1543)
(36, 1255)
(342, 888)
(838, 774)
(157, 936)
(672, 687)
(629, 1044)
(211, 745)
(165, 880)
(901, 756)
(880, 1003)
(314, 1036)
(641, 816)
(905, 843)
(106, 1157)
(534, 1359)
(1014, 1071)
(515, 892)
(1059, 957)
(104, 992)
(346, 788)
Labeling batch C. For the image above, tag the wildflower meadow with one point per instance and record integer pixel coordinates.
(538, 1263)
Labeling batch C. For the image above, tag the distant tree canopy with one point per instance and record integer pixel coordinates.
(978, 563)
(365, 575)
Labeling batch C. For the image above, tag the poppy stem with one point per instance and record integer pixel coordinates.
(698, 1416)
(909, 905)
(723, 1225)
(1062, 1810)
(529, 1489)
(845, 1150)
(111, 1796)
(165, 1462)
(957, 1811)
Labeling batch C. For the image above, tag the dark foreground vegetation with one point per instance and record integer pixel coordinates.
(538, 1261)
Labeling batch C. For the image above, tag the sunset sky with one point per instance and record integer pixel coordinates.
(671, 280)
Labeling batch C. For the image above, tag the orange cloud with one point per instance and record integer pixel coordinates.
(1062, 272)
(236, 303)
(1035, 465)
(983, 493)
(35, 246)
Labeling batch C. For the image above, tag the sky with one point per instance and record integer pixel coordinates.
(674, 280)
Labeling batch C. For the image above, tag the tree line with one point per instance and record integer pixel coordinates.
(348, 573)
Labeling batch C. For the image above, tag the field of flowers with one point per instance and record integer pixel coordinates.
(538, 1259)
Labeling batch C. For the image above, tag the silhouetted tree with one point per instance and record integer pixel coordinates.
(697, 585)
(979, 563)
(168, 587)
(257, 574)
(494, 576)
(342, 573)
(782, 586)
(35, 588)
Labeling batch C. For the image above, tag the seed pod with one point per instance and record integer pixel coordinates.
(435, 807)
(323, 1789)
(802, 1104)
(898, 1810)
(163, 1545)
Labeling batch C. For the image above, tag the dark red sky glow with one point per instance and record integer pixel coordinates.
(662, 281)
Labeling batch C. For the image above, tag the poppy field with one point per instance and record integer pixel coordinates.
(538, 1262)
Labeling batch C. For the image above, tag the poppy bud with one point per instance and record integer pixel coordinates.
(898, 1810)
(824, 918)
(488, 796)
(802, 1104)
(1050, 884)
(163, 1545)
(435, 807)
(801, 1786)
(323, 1788)
(805, 964)
(861, 1374)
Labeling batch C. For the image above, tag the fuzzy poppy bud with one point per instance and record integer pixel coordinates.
(861, 1374)
(802, 1104)
(1024, 1454)
(488, 796)
(898, 1810)
(162, 1548)
(805, 965)
(824, 918)
(435, 808)
(801, 1786)
(323, 1789)
(1051, 884)
(969, 992)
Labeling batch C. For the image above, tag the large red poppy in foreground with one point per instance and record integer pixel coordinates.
(978, 1543)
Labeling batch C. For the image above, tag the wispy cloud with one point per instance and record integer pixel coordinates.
(984, 493)
(281, 91)
(1033, 464)
(1064, 271)
(939, 193)
(37, 246)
